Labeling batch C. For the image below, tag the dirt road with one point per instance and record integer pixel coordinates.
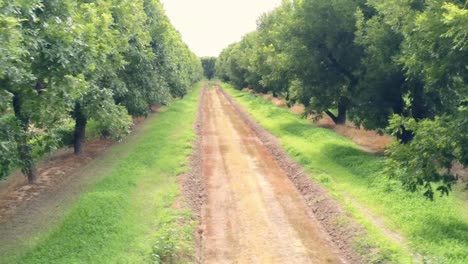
(253, 213)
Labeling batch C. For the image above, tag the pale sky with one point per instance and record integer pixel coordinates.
(208, 26)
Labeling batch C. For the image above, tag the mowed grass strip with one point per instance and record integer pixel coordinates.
(129, 215)
(435, 232)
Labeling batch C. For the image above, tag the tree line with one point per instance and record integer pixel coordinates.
(208, 64)
(65, 61)
(398, 66)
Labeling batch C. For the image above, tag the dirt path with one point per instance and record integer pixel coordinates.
(252, 213)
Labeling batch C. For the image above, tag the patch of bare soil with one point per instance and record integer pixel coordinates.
(275, 100)
(341, 228)
(462, 172)
(297, 109)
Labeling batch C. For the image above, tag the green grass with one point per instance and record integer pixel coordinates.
(436, 230)
(128, 215)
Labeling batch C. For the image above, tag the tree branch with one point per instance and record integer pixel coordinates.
(334, 62)
(331, 115)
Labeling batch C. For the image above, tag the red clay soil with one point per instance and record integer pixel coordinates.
(258, 206)
(368, 140)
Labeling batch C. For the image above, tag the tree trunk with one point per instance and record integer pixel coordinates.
(340, 119)
(80, 130)
(288, 101)
(27, 161)
(342, 111)
(28, 166)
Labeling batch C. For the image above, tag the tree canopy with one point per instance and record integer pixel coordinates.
(79, 60)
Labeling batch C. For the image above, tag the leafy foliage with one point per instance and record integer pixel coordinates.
(439, 143)
(99, 60)
(8, 153)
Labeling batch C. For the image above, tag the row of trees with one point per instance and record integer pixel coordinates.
(63, 60)
(209, 64)
(399, 65)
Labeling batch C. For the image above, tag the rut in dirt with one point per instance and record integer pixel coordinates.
(252, 213)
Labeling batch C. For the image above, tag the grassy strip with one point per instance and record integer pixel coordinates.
(128, 216)
(437, 230)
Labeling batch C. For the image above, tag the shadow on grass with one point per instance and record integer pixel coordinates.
(356, 161)
(302, 130)
(296, 129)
(444, 232)
(336, 150)
(451, 228)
